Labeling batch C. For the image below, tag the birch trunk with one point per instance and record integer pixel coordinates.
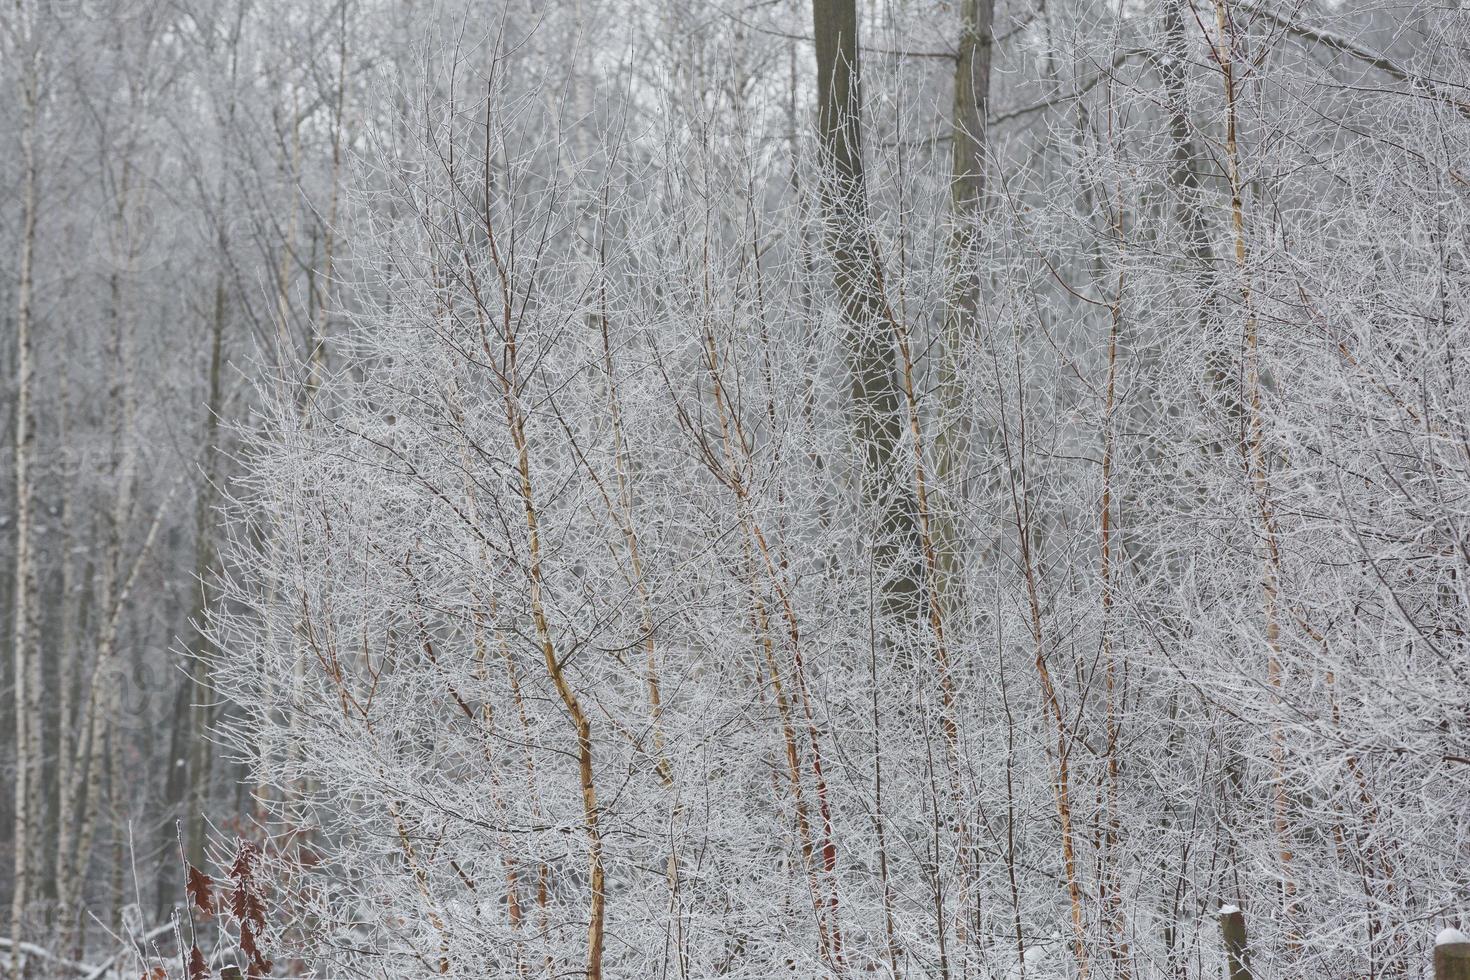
(82, 798)
(26, 624)
(1254, 452)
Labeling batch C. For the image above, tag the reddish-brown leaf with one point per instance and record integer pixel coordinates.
(245, 900)
(239, 902)
(244, 861)
(247, 906)
(200, 889)
(198, 969)
(259, 965)
(256, 908)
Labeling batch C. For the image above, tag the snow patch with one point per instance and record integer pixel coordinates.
(1033, 956)
(1229, 909)
(1450, 937)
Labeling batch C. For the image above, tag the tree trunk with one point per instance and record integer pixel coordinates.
(25, 622)
(82, 799)
(1255, 453)
(1452, 956)
(967, 196)
(201, 650)
(190, 750)
(858, 277)
(1232, 930)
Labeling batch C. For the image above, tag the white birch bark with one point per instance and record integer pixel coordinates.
(26, 623)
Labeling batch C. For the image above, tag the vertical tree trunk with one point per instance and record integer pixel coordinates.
(1452, 956)
(103, 708)
(201, 650)
(1111, 875)
(570, 701)
(944, 544)
(82, 798)
(190, 749)
(1232, 930)
(858, 277)
(60, 734)
(1185, 163)
(25, 623)
(967, 196)
(1254, 452)
(319, 319)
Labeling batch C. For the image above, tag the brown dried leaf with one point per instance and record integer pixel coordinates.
(198, 969)
(259, 965)
(240, 903)
(245, 900)
(200, 889)
(245, 853)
